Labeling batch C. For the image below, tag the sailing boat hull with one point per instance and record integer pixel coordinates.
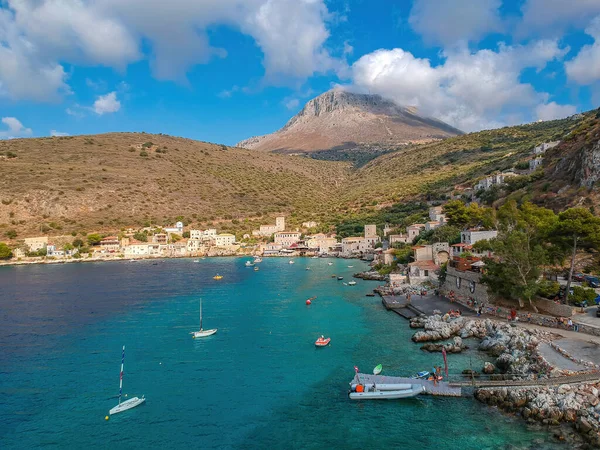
(128, 404)
(203, 333)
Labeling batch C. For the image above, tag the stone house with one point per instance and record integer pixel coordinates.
(160, 238)
(352, 246)
(432, 225)
(224, 239)
(110, 244)
(397, 238)
(35, 244)
(472, 236)
(535, 163)
(541, 149)
(269, 230)
(412, 231)
(427, 262)
(436, 214)
(321, 242)
(310, 224)
(287, 238)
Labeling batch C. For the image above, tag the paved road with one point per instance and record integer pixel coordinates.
(555, 359)
(589, 317)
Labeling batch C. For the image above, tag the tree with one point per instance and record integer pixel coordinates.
(11, 234)
(462, 216)
(520, 251)
(186, 234)
(142, 237)
(68, 247)
(5, 251)
(77, 243)
(94, 238)
(576, 228)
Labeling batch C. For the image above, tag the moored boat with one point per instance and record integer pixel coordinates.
(322, 341)
(256, 268)
(340, 278)
(217, 277)
(257, 259)
(421, 375)
(127, 404)
(249, 263)
(351, 283)
(330, 264)
(291, 261)
(377, 370)
(202, 332)
(373, 392)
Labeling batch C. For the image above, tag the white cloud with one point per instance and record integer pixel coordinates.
(106, 104)
(552, 110)
(291, 103)
(449, 22)
(15, 128)
(552, 17)
(55, 133)
(470, 91)
(37, 36)
(585, 67)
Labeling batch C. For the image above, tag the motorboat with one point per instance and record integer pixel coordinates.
(202, 332)
(351, 283)
(291, 261)
(249, 263)
(257, 259)
(350, 267)
(217, 277)
(196, 260)
(340, 278)
(423, 375)
(372, 392)
(256, 268)
(127, 404)
(384, 386)
(330, 264)
(322, 341)
(377, 370)
(315, 257)
(308, 268)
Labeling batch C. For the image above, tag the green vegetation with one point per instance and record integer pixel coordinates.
(142, 237)
(5, 251)
(94, 239)
(11, 234)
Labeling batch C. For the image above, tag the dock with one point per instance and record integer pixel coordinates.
(400, 306)
(442, 388)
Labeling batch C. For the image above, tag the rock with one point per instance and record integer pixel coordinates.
(504, 361)
(470, 373)
(488, 368)
(564, 388)
(583, 425)
(526, 413)
(570, 415)
(592, 399)
(594, 391)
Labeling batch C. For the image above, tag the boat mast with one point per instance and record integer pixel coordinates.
(200, 314)
(121, 376)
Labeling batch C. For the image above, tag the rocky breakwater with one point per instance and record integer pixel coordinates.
(577, 406)
(371, 275)
(439, 328)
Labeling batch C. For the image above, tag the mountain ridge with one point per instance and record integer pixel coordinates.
(340, 119)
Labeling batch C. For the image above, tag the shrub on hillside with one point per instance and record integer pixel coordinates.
(5, 251)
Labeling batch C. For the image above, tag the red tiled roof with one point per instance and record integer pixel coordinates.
(425, 265)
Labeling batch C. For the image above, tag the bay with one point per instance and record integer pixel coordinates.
(259, 382)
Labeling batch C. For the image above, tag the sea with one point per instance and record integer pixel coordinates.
(258, 383)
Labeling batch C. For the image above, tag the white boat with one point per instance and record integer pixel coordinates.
(315, 257)
(330, 264)
(202, 333)
(373, 392)
(350, 267)
(351, 283)
(291, 262)
(196, 260)
(132, 260)
(257, 259)
(127, 404)
(249, 263)
(387, 387)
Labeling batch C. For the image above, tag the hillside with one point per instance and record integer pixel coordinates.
(83, 183)
(66, 185)
(340, 120)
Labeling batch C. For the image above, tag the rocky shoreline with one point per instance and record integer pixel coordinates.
(570, 412)
(371, 275)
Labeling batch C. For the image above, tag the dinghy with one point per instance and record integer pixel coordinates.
(373, 392)
(377, 370)
(202, 333)
(385, 387)
(127, 404)
(352, 283)
(322, 341)
(421, 375)
(330, 264)
(249, 263)
(217, 277)
(291, 261)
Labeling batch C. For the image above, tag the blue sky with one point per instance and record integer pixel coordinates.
(224, 70)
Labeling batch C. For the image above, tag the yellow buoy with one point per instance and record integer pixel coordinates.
(106, 418)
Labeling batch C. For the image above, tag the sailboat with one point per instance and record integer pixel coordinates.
(202, 333)
(127, 404)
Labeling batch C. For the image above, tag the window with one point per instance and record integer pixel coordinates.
(457, 282)
(426, 272)
(472, 287)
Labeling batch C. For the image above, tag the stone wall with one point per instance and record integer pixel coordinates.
(554, 309)
(463, 290)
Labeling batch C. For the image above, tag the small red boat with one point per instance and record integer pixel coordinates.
(322, 341)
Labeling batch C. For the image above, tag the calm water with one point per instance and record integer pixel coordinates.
(259, 382)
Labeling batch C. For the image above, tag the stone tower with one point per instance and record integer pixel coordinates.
(280, 223)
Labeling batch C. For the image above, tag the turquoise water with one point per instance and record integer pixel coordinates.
(259, 382)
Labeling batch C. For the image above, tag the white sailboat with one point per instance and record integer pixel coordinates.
(127, 404)
(202, 333)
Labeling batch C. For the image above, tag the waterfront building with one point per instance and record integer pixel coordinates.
(110, 244)
(352, 246)
(427, 262)
(160, 238)
(224, 239)
(203, 235)
(35, 244)
(371, 237)
(136, 248)
(321, 242)
(178, 229)
(287, 238)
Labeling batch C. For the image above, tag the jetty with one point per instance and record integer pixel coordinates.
(400, 306)
(586, 377)
(442, 388)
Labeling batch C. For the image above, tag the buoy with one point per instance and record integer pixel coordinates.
(308, 302)
(106, 418)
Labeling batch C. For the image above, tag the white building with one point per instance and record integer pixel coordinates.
(412, 231)
(177, 230)
(352, 245)
(310, 224)
(224, 239)
(494, 180)
(432, 225)
(371, 237)
(268, 230)
(535, 163)
(321, 242)
(136, 249)
(287, 238)
(203, 235)
(541, 149)
(470, 237)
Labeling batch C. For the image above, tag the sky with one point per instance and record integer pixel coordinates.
(224, 70)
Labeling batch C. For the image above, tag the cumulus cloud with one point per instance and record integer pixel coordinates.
(552, 110)
(291, 103)
(106, 104)
(37, 35)
(585, 67)
(470, 91)
(15, 128)
(55, 133)
(551, 17)
(447, 23)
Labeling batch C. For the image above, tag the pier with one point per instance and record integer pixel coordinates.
(588, 377)
(400, 306)
(442, 388)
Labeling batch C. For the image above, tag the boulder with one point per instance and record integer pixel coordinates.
(583, 425)
(504, 361)
(488, 368)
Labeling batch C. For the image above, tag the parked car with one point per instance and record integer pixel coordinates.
(561, 293)
(597, 300)
(578, 276)
(592, 281)
(598, 312)
(579, 303)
